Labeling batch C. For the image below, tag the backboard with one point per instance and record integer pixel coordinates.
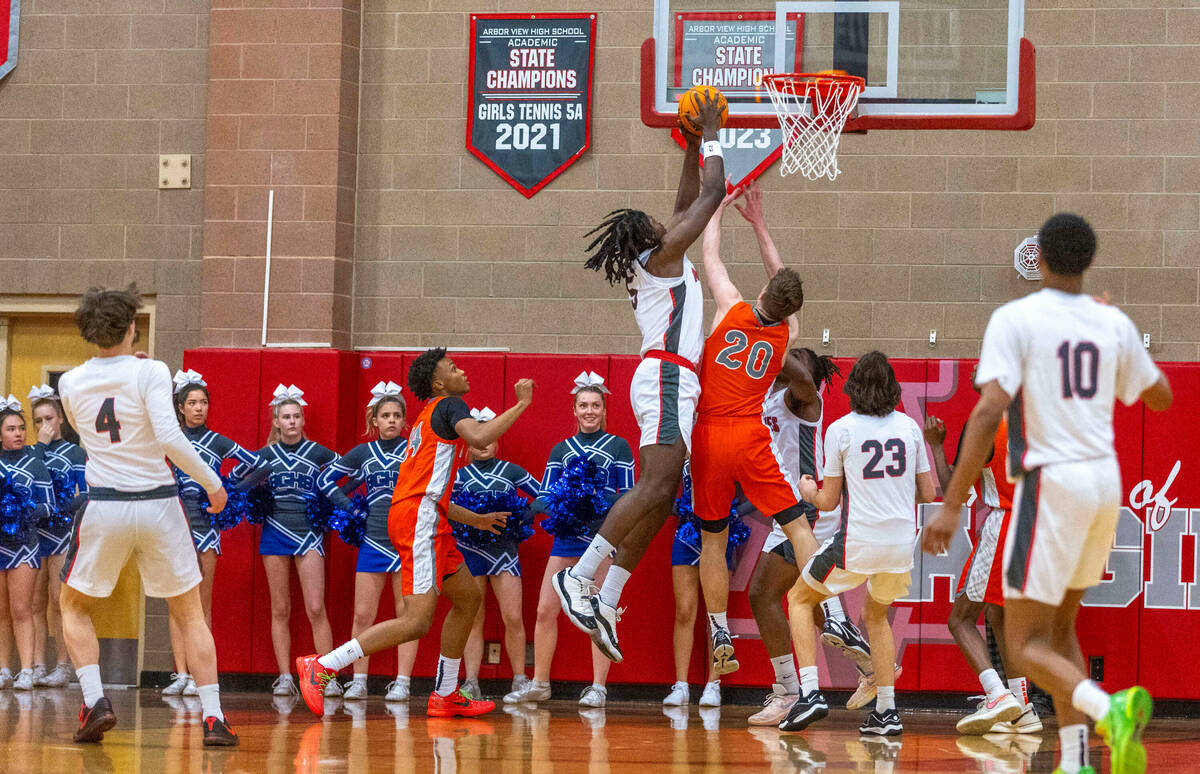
(928, 64)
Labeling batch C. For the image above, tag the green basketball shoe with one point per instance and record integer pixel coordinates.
(1128, 713)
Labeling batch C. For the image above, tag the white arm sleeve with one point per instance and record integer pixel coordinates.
(154, 384)
(1000, 358)
(835, 448)
(1136, 372)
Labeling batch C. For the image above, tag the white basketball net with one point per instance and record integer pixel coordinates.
(810, 137)
(1025, 259)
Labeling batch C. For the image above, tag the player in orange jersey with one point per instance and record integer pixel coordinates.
(430, 561)
(732, 446)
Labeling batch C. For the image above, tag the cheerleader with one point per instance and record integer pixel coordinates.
(374, 464)
(496, 560)
(614, 458)
(288, 536)
(191, 408)
(65, 460)
(685, 579)
(28, 498)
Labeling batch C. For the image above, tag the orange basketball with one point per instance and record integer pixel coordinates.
(689, 107)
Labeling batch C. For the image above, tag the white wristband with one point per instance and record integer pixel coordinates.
(711, 148)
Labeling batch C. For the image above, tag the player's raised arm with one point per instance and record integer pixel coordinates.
(751, 209)
(689, 177)
(724, 292)
(482, 434)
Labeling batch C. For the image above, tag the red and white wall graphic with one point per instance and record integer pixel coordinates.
(1140, 624)
(10, 16)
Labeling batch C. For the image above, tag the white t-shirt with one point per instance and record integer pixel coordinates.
(1065, 358)
(880, 458)
(122, 408)
(669, 310)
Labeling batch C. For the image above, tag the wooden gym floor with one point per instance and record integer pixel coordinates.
(282, 736)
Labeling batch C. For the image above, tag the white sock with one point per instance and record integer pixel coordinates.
(785, 674)
(1073, 741)
(360, 676)
(597, 551)
(718, 621)
(89, 683)
(614, 584)
(210, 701)
(342, 656)
(681, 684)
(833, 609)
(991, 684)
(885, 698)
(808, 680)
(1090, 699)
(403, 680)
(1020, 688)
(447, 676)
(600, 687)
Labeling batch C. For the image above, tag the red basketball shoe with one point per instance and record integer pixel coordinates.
(313, 679)
(457, 705)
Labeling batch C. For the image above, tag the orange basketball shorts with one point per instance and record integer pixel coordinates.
(728, 452)
(422, 537)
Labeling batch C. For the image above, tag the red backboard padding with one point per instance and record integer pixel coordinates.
(337, 386)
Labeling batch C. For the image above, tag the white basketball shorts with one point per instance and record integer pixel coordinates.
(664, 396)
(1063, 523)
(154, 532)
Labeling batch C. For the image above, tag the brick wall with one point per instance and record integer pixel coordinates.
(99, 91)
(917, 234)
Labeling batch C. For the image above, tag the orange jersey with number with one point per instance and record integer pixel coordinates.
(998, 464)
(430, 462)
(741, 359)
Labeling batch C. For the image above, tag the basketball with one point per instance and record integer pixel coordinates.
(689, 107)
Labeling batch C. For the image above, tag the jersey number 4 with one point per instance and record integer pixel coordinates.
(756, 361)
(106, 420)
(895, 468)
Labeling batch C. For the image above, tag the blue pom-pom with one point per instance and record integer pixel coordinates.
(260, 503)
(319, 511)
(64, 500)
(350, 524)
(517, 528)
(17, 510)
(576, 501)
(689, 523)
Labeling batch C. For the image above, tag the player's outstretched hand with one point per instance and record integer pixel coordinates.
(216, 501)
(708, 114)
(524, 390)
(808, 488)
(731, 195)
(751, 207)
(493, 522)
(939, 530)
(935, 431)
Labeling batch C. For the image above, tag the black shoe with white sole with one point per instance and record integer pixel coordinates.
(886, 723)
(604, 633)
(723, 657)
(808, 709)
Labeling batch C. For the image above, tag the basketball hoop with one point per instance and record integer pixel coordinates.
(812, 110)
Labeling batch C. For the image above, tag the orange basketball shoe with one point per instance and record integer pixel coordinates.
(313, 679)
(457, 705)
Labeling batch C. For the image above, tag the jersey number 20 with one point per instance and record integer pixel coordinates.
(106, 420)
(876, 449)
(756, 361)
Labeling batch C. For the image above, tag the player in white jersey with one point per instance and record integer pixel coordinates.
(1057, 360)
(122, 407)
(875, 464)
(664, 288)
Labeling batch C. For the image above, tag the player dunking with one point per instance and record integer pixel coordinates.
(123, 410)
(664, 288)
(743, 354)
(417, 527)
(1057, 360)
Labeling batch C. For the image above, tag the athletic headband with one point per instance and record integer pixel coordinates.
(484, 414)
(185, 379)
(284, 394)
(589, 379)
(42, 392)
(10, 403)
(383, 390)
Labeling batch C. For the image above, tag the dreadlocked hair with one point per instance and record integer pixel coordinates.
(823, 368)
(620, 239)
(420, 373)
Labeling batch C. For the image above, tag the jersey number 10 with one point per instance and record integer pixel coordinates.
(1080, 369)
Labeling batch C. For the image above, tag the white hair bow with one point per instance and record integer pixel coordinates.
(10, 403)
(589, 379)
(383, 390)
(184, 379)
(42, 392)
(484, 414)
(283, 394)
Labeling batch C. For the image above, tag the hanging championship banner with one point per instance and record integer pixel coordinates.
(530, 85)
(733, 51)
(10, 14)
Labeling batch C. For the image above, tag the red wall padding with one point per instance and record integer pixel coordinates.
(337, 386)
